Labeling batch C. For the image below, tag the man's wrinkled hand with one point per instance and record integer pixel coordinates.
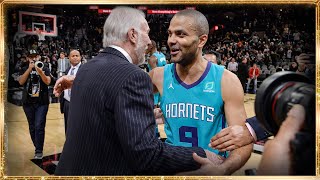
(64, 82)
(214, 158)
(209, 166)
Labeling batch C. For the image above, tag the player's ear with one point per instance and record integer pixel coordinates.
(202, 40)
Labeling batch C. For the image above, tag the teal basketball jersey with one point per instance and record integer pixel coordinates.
(161, 59)
(161, 62)
(193, 113)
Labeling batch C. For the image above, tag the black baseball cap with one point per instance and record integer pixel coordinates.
(32, 53)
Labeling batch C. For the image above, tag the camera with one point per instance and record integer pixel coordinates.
(275, 97)
(39, 64)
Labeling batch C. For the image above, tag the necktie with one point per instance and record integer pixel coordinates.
(62, 65)
(71, 73)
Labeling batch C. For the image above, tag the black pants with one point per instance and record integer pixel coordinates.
(243, 81)
(37, 117)
(66, 114)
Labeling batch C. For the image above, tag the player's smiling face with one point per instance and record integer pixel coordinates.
(183, 40)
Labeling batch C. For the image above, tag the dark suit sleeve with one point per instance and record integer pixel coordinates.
(260, 131)
(135, 126)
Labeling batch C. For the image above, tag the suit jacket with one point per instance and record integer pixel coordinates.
(260, 131)
(67, 64)
(242, 71)
(111, 124)
(61, 99)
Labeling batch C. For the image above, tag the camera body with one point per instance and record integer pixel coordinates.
(276, 96)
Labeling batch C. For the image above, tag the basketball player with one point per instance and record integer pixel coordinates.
(157, 58)
(196, 94)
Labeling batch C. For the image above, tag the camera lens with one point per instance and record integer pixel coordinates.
(276, 96)
(39, 64)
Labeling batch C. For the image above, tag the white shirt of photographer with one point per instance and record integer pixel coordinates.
(73, 71)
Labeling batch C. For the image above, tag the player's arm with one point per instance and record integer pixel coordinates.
(156, 76)
(233, 97)
(153, 62)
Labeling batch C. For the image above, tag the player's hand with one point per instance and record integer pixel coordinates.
(276, 156)
(231, 138)
(64, 82)
(212, 165)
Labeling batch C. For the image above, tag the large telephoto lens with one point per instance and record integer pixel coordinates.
(276, 96)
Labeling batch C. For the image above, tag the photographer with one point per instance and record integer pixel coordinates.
(35, 78)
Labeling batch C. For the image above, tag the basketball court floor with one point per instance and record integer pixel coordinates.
(19, 150)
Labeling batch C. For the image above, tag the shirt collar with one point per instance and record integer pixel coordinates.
(122, 51)
(76, 66)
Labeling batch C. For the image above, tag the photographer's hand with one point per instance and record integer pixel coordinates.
(304, 58)
(44, 78)
(276, 156)
(31, 66)
(23, 78)
(39, 70)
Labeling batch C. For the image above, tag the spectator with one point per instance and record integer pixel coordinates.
(254, 72)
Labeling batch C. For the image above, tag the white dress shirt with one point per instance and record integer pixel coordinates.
(233, 66)
(66, 94)
(122, 52)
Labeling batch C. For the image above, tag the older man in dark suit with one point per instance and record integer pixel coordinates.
(111, 122)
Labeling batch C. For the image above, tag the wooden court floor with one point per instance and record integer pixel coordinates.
(19, 149)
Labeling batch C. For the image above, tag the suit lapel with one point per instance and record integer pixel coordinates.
(67, 70)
